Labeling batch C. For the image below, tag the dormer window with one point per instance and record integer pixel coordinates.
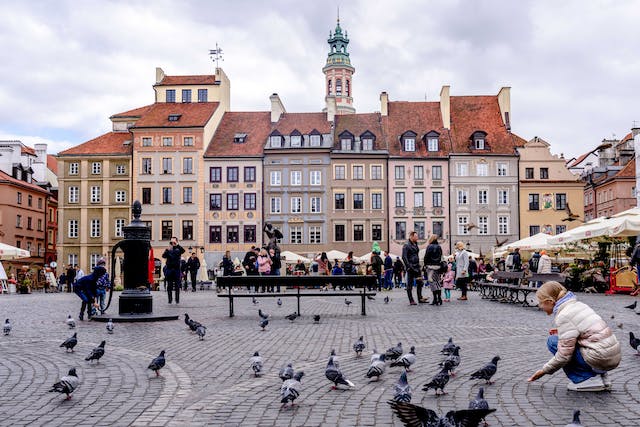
(367, 140)
(409, 141)
(296, 138)
(315, 138)
(239, 138)
(346, 141)
(275, 140)
(479, 139)
(174, 117)
(433, 141)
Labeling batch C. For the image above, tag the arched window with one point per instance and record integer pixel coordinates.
(338, 87)
(329, 87)
(348, 87)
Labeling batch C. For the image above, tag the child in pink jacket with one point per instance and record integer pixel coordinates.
(447, 282)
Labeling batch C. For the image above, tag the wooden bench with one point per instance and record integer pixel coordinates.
(298, 283)
(521, 293)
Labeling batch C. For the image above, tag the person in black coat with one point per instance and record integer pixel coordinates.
(173, 256)
(193, 265)
(71, 277)
(227, 264)
(398, 272)
(411, 259)
(433, 267)
(86, 288)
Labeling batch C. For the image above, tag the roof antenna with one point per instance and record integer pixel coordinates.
(216, 54)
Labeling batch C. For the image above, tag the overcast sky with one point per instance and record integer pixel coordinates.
(573, 66)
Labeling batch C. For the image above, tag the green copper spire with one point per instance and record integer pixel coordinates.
(338, 43)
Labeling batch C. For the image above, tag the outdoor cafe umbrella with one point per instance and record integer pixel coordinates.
(8, 252)
(535, 242)
(203, 275)
(292, 257)
(336, 254)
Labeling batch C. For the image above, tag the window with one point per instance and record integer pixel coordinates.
(276, 205)
(249, 233)
(338, 87)
(418, 199)
(295, 234)
(401, 230)
(19, 198)
(534, 202)
(347, 87)
(316, 206)
(275, 178)
(418, 226)
(503, 225)
(171, 95)
(432, 144)
(232, 233)
(528, 173)
(358, 201)
(149, 225)
(479, 143)
(146, 166)
(249, 174)
(502, 169)
(29, 200)
(436, 172)
(315, 177)
(121, 196)
(40, 224)
(187, 165)
(561, 229)
(296, 140)
(346, 144)
(215, 174)
(339, 172)
(74, 194)
(233, 174)
(329, 87)
(315, 140)
(463, 197)
(96, 168)
(72, 259)
(186, 95)
(74, 168)
(376, 201)
(187, 230)
(167, 141)
(95, 228)
(120, 170)
(482, 169)
(315, 234)
(339, 201)
(249, 201)
(438, 228)
(409, 143)
(29, 223)
(166, 195)
(215, 202)
(358, 172)
(167, 230)
(146, 196)
(215, 234)
(167, 165)
(503, 197)
(275, 141)
(533, 230)
(147, 141)
(73, 228)
(561, 201)
(358, 232)
(187, 141)
(187, 195)
(376, 172)
(296, 204)
(95, 194)
(482, 197)
(339, 233)
(483, 225)
(463, 221)
(436, 198)
(18, 221)
(376, 232)
(544, 173)
(462, 169)
(418, 172)
(232, 202)
(296, 178)
(203, 95)
(118, 228)
(399, 173)
(367, 144)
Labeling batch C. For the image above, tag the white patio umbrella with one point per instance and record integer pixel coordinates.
(367, 257)
(537, 241)
(203, 275)
(336, 254)
(3, 274)
(292, 257)
(8, 252)
(594, 228)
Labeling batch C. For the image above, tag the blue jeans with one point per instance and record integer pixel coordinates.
(577, 369)
(388, 279)
(100, 299)
(275, 272)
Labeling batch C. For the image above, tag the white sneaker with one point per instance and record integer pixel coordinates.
(592, 384)
(606, 380)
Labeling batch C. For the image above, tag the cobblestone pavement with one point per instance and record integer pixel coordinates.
(210, 382)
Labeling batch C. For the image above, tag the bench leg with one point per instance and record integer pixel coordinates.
(298, 298)
(364, 302)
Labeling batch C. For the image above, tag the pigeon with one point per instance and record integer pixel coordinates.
(7, 327)
(576, 420)
(264, 319)
(453, 360)
(375, 356)
(448, 347)
(254, 300)
(414, 415)
(67, 384)
(347, 302)
(406, 360)
(96, 353)
(291, 317)
(186, 320)
(110, 326)
(634, 342)
(157, 363)
(479, 402)
(70, 342)
(487, 372)
(192, 324)
(439, 381)
(377, 368)
(333, 354)
(632, 306)
(279, 302)
(402, 389)
(70, 322)
(386, 299)
(334, 375)
(359, 346)
(256, 364)
(201, 331)
(286, 372)
(316, 318)
(394, 352)
(290, 389)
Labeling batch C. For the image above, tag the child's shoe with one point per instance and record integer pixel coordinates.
(592, 384)
(607, 381)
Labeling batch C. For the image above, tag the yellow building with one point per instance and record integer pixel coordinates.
(551, 197)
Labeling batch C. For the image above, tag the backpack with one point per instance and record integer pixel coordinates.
(509, 261)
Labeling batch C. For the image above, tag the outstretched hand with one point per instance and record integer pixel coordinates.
(536, 376)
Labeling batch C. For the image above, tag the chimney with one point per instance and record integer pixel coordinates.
(277, 108)
(40, 164)
(445, 107)
(504, 102)
(159, 75)
(635, 131)
(331, 108)
(384, 104)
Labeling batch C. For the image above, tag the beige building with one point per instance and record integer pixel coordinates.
(548, 191)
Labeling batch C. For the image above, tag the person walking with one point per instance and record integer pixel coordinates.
(276, 265)
(71, 277)
(323, 264)
(544, 264)
(376, 268)
(173, 256)
(447, 282)
(433, 267)
(462, 270)
(517, 260)
(193, 265)
(411, 259)
(388, 271)
(86, 288)
(398, 272)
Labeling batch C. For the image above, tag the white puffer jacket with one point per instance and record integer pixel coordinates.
(578, 323)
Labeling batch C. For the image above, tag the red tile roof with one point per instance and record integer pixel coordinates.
(358, 124)
(52, 163)
(257, 126)
(28, 150)
(195, 114)
(629, 170)
(6, 178)
(627, 137)
(187, 80)
(303, 122)
(136, 112)
(109, 143)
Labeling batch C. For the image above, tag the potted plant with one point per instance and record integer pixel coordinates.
(25, 286)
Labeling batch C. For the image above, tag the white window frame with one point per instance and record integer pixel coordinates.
(95, 228)
(296, 205)
(275, 178)
(482, 169)
(434, 197)
(339, 177)
(168, 162)
(503, 224)
(296, 178)
(96, 168)
(367, 144)
(400, 199)
(418, 199)
(463, 222)
(187, 161)
(462, 169)
(74, 168)
(462, 197)
(121, 170)
(275, 141)
(72, 228)
(315, 234)
(432, 144)
(118, 227)
(435, 168)
(93, 259)
(296, 140)
(399, 173)
(418, 172)
(121, 196)
(483, 225)
(187, 141)
(359, 176)
(74, 194)
(72, 259)
(503, 196)
(296, 234)
(316, 204)
(315, 177)
(275, 205)
(96, 194)
(479, 143)
(409, 144)
(376, 172)
(315, 140)
(483, 196)
(147, 141)
(346, 144)
(373, 204)
(142, 165)
(502, 169)
(167, 141)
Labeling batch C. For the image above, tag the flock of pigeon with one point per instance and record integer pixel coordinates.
(633, 341)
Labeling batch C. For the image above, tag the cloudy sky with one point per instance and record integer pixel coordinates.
(573, 66)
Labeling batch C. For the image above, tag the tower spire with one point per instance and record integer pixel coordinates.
(338, 71)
